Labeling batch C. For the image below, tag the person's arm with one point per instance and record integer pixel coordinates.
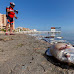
(9, 10)
(15, 16)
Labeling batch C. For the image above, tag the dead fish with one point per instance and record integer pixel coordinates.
(62, 51)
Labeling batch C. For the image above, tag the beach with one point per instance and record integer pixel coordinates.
(24, 54)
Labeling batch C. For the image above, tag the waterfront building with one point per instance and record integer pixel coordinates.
(33, 30)
(3, 22)
(55, 31)
(19, 29)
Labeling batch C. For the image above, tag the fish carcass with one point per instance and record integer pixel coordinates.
(62, 51)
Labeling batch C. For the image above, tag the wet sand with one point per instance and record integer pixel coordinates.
(24, 54)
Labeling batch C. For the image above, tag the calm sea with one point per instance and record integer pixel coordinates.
(69, 37)
(66, 36)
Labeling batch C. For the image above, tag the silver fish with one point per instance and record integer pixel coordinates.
(62, 51)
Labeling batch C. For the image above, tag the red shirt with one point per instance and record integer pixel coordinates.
(11, 14)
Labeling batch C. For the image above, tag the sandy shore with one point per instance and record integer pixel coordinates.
(23, 54)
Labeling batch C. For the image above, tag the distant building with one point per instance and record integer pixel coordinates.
(34, 30)
(3, 21)
(26, 29)
(18, 29)
(55, 30)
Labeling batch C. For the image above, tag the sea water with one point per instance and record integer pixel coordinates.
(69, 37)
(66, 36)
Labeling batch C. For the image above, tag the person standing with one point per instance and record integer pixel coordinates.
(10, 14)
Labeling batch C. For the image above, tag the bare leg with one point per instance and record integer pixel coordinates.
(7, 27)
(11, 28)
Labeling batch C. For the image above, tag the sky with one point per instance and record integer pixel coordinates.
(43, 14)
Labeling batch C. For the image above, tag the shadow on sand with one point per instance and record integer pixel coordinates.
(56, 62)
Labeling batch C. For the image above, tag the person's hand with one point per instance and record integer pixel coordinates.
(16, 11)
(16, 17)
